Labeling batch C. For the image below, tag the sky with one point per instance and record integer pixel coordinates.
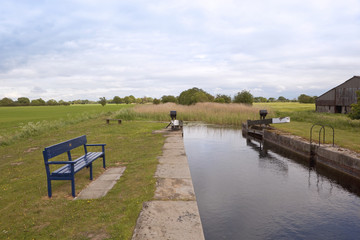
(87, 49)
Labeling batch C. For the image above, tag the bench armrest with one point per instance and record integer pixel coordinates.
(102, 145)
(61, 162)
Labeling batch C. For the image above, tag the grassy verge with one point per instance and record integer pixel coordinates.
(303, 116)
(27, 213)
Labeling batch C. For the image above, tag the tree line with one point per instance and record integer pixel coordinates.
(187, 97)
(194, 95)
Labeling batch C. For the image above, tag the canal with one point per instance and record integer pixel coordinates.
(246, 191)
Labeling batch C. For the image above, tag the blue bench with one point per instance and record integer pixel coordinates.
(67, 172)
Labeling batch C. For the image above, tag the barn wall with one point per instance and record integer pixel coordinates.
(327, 109)
(345, 96)
(329, 96)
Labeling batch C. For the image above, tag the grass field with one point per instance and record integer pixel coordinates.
(18, 122)
(27, 213)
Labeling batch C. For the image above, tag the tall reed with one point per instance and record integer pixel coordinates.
(215, 113)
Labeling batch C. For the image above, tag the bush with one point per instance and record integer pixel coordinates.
(244, 97)
(355, 108)
(303, 98)
(169, 98)
(156, 101)
(222, 98)
(194, 95)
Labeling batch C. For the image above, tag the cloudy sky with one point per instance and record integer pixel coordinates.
(86, 49)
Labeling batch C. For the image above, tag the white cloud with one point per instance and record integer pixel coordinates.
(87, 49)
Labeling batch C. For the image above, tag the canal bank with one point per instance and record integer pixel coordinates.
(334, 157)
(173, 213)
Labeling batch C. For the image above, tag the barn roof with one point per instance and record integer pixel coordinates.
(354, 77)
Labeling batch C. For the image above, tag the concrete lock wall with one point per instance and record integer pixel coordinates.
(340, 159)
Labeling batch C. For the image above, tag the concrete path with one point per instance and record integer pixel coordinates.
(102, 185)
(174, 212)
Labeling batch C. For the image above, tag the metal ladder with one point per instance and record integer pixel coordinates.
(322, 128)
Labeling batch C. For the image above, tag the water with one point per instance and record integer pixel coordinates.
(247, 193)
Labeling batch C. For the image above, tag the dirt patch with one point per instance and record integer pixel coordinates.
(98, 235)
(31, 149)
(42, 226)
(16, 163)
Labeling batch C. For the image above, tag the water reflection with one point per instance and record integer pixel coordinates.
(248, 190)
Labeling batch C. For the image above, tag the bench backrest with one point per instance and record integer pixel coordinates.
(63, 147)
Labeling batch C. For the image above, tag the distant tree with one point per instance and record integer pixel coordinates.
(147, 100)
(282, 99)
(303, 98)
(62, 102)
(6, 102)
(222, 98)
(168, 98)
(271, 99)
(127, 100)
(260, 99)
(156, 101)
(51, 102)
(219, 100)
(194, 95)
(102, 101)
(117, 100)
(24, 101)
(38, 102)
(244, 97)
(132, 99)
(138, 100)
(355, 108)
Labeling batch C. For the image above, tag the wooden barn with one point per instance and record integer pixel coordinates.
(340, 98)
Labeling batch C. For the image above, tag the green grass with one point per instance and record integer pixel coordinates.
(286, 106)
(27, 213)
(18, 122)
(13, 117)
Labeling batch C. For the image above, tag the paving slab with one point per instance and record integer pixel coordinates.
(101, 186)
(174, 189)
(173, 145)
(175, 139)
(160, 220)
(171, 152)
(173, 159)
(173, 170)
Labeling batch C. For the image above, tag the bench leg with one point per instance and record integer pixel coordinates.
(49, 187)
(91, 175)
(73, 186)
(104, 161)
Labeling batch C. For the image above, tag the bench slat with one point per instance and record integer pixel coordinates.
(81, 162)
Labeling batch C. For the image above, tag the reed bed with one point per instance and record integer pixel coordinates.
(214, 113)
